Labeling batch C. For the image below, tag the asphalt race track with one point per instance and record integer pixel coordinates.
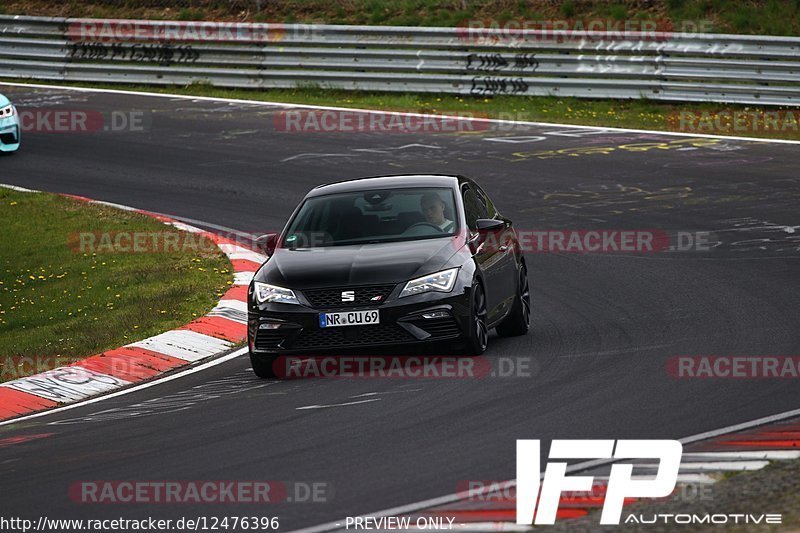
(604, 325)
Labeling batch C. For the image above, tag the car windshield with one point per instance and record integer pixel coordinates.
(373, 216)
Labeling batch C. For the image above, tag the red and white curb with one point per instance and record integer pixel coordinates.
(208, 336)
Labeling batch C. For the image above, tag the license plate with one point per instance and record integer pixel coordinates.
(348, 318)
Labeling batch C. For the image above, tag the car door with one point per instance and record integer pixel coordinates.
(505, 242)
(487, 256)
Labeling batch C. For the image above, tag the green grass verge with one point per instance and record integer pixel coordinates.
(637, 114)
(770, 17)
(58, 304)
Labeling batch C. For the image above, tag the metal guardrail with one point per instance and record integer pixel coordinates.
(661, 66)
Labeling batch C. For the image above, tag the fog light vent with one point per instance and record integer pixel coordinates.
(436, 314)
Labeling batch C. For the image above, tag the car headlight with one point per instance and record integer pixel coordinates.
(439, 281)
(264, 292)
(8, 111)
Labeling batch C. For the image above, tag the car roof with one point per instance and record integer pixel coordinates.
(387, 182)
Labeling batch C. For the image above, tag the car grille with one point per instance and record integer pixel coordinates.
(8, 138)
(330, 298)
(351, 336)
(439, 327)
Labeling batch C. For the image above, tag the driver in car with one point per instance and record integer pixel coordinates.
(433, 210)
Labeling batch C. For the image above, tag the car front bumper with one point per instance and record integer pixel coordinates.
(294, 329)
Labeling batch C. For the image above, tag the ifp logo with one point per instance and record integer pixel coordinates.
(621, 485)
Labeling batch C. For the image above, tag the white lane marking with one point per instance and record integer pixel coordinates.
(398, 113)
(450, 498)
(692, 478)
(403, 147)
(739, 427)
(770, 455)
(718, 466)
(697, 479)
(185, 227)
(385, 392)
(210, 225)
(126, 208)
(337, 404)
(67, 384)
(307, 156)
(184, 344)
(136, 388)
(711, 466)
(703, 479)
(15, 188)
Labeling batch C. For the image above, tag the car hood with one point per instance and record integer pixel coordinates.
(4, 101)
(357, 265)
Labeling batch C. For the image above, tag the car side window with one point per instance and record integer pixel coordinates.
(484, 198)
(474, 208)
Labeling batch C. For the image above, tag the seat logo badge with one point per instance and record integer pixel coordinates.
(348, 296)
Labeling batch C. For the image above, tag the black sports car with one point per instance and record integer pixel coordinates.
(390, 260)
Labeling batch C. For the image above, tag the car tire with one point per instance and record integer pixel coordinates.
(263, 365)
(478, 337)
(518, 321)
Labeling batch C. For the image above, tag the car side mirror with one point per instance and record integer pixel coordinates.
(485, 225)
(267, 243)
